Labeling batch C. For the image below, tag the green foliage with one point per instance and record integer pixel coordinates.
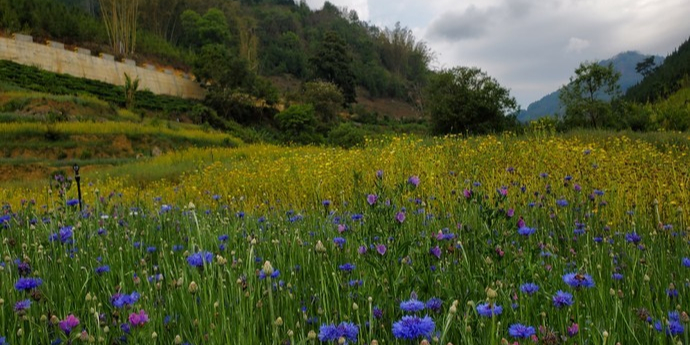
(464, 99)
(198, 31)
(50, 19)
(131, 87)
(332, 62)
(583, 106)
(325, 97)
(346, 135)
(298, 124)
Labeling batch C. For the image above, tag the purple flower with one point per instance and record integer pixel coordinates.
(412, 305)
(562, 299)
(467, 193)
(381, 249)
(413, 327)
(199, 258)
(517, 330)
(616, 276)
(400, 217)
(436, 251)
(378, 313)
(510, 213)
(371, 199)
(138, 319)
(577, 280)
(347, 330)
(27, 284)
(573, 330)
(68, 323)
(413, 180)
(562, 202)
(489, 310)
(379, 174)
(362, 250)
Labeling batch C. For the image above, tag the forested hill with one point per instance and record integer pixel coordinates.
(666, 79)
(260, 37)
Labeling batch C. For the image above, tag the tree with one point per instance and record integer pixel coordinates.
(646, 66)
(583, 98)
(120, 18)
(465, 99)
(333, 63)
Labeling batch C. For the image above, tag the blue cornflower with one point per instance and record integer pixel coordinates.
(223, 238)
(378, 313)
(633, 237)
(22, 305)
(413, 327)
(64, 234)
(562, 299)
(529, 288)
(578, 280)
(562, 202)
(3, 341)
(617, 276)
(517, 330)
(348, 267)
(434, 304)
(72, 202)
(413, 180)
(273, 275)
(412, 305)
(120, 300)
(102, 269)
(339, 241)
(198, 259)
(526, 231)
(165, 208)
(177, 248)
(675, 328)
(686, 262)
(27, 284)
(151, 249)
(346, 330)
(489, 309)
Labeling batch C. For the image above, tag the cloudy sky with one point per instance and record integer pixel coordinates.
(531, 47)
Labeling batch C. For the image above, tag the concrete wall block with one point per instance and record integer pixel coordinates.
(23, 38)
(106, 57)
(84, 51)
(129, 62)
(56, 45)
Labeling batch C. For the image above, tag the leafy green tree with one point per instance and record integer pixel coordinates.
(465, 99)
(325, 97)
(584, 97)
(333, 63)
(198, 31)
(298, 124)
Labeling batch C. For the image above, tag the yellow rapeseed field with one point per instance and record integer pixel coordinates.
(632, 173)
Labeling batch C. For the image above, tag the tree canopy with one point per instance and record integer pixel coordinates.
(580, 98)
(466, 99)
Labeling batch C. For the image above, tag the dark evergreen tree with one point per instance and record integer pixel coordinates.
(333, 63)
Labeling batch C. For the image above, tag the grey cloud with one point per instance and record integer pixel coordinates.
(470, 24)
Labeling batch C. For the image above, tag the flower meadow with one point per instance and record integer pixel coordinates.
(488, 240)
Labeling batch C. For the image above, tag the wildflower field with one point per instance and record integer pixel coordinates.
(537, 239)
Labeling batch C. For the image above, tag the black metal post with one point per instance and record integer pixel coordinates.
(78, 179)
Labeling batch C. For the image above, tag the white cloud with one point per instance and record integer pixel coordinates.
(576, 45)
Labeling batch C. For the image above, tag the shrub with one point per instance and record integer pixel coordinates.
(346, 135)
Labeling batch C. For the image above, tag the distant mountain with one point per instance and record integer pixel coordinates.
(624, 63)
